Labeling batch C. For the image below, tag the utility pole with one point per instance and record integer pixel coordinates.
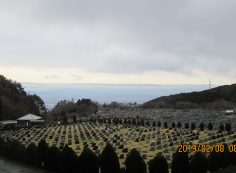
(210, 83)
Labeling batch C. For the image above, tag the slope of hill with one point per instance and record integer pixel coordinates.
(68, 109)
(222, 97)
(15, 102)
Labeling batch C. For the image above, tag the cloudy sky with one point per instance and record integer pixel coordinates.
(118, 41)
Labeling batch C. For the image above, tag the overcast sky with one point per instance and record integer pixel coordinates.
(118, 41)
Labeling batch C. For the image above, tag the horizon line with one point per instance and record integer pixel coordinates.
(142, 84)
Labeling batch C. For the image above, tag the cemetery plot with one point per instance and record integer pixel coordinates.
(148, 140)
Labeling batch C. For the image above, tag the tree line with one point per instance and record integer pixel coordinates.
(66, 160)
(187, 125)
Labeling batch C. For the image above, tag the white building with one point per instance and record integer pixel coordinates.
(30, 120)
(7, 124)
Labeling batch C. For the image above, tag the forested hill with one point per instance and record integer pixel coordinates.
(15, 102)
(68, 109)
(222, 97)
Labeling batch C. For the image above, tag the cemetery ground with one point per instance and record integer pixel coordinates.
(147, 139)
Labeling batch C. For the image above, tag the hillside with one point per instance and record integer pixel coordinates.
(71, 109)
(222, 97)
(15, 102)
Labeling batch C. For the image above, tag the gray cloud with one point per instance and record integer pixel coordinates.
(52, 76)
(76, 77)
(111, 36)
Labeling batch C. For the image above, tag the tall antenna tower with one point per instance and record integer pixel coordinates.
(209, 83)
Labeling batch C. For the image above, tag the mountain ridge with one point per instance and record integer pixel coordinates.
(221, 97)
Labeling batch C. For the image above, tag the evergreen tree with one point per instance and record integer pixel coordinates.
(138, 123)
(88, 161)
(154, 124)
(198, 163)
(53, 159)
(2, 144)
(134, 163)
(228, 127)
(14, 150)
(193, 126)
(133, 122)
(179, 125)
(43, 151)
(213, 161)
(74, 119)
(186, 125)
(109, 161)
(142, 122)
(158, 165)
(222, 128)
(210, 126)
(129, 122)
(233, 156)
(68, 161)
(180, 163)
(225, 157)
(201, 126)
(32, 155)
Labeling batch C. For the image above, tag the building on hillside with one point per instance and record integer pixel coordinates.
(30, 120)
(7, 124)
(228, 112)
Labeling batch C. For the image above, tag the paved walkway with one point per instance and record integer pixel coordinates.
(231, 169)
(9, 166)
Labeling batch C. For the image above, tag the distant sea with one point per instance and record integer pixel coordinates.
(105, 93)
